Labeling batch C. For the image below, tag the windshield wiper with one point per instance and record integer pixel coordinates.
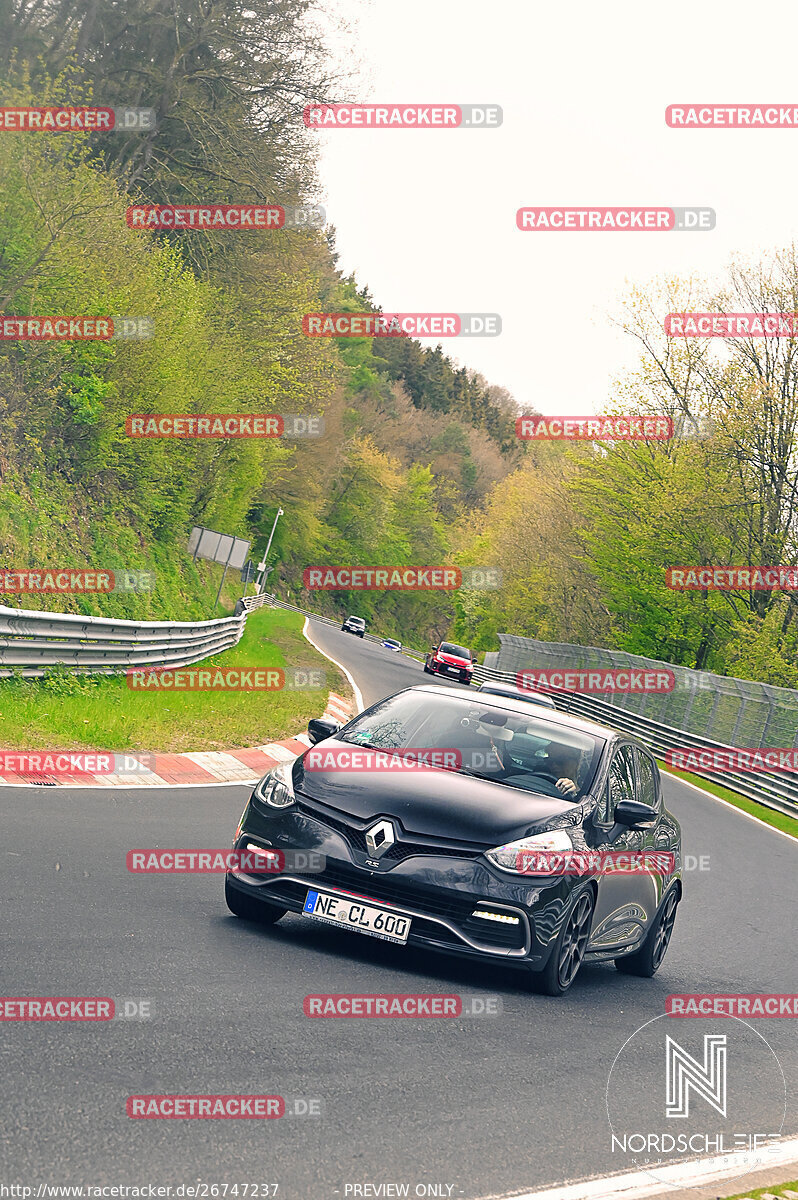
(478, 775)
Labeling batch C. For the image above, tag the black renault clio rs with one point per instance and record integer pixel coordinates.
(470, 824)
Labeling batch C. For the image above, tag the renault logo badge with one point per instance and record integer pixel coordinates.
(380, 838)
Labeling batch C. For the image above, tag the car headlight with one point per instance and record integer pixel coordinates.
(276, 788)
(546, 845)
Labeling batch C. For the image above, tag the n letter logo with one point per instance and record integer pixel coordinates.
(707, 1079)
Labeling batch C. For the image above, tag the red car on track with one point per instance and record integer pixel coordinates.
(448, 659)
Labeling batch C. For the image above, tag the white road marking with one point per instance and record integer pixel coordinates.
(637, 1185)
(728, 804)
(334, 661)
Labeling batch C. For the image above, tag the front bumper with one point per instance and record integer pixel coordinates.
(451, 670)
(440, 887)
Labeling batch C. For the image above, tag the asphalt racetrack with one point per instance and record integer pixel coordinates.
(482, 1105)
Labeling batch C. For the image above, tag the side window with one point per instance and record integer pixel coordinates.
(648, 790)
(620, 784)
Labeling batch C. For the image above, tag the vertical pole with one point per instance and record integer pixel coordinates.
(224, 572)
(268, 548)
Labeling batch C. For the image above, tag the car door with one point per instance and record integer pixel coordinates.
(661, 838)
(626, 902)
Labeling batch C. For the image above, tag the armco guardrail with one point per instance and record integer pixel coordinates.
(30, 642)
(771, 790)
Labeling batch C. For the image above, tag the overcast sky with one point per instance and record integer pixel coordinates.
(426, 218)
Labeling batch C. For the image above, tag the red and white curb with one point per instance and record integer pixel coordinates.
(202, 768)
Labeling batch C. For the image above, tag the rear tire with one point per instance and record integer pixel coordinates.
(646, 961)
(251, 910)
(569, 950)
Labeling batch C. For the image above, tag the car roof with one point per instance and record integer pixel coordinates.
(510, 689)
(568, 720)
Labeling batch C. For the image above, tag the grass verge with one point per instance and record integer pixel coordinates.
(778, 1190)
(65, 712)
(760, 811)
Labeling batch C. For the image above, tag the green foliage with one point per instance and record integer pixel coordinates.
(412, 442)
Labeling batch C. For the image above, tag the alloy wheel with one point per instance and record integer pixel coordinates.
(664, 930)
(574, 942)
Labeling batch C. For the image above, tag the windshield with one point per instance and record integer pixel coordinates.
(457, 651)
(522, 750)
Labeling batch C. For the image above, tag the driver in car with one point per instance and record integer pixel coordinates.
(563, 766)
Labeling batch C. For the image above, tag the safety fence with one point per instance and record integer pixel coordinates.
(699, 705)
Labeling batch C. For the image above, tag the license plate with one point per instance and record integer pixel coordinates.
(354, 914)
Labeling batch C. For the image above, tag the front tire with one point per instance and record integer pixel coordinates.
(646, 961)
(248, 909)
(361, 634)
(569, 951)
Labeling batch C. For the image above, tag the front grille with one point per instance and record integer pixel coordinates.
(355, 834)
(395, 890)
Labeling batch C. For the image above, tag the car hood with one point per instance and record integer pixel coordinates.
(428, 801)
(454, 660)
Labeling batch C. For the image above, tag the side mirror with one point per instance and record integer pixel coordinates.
(319, 729)
(634, 815)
